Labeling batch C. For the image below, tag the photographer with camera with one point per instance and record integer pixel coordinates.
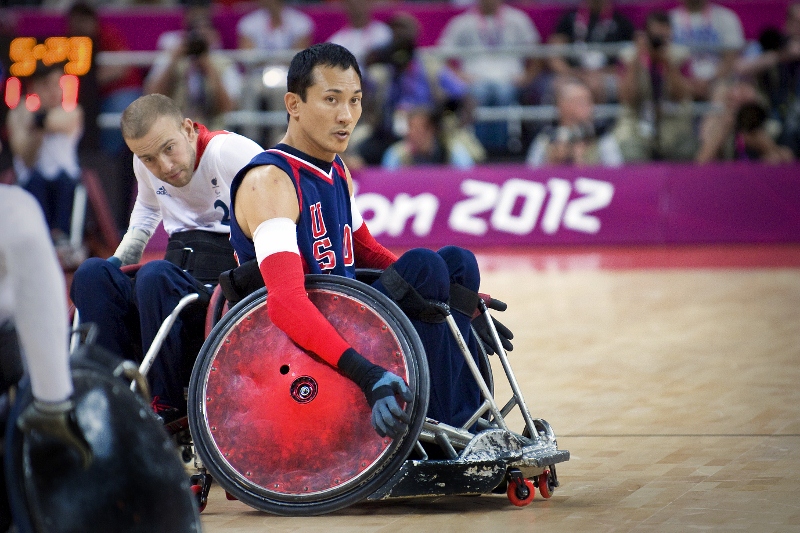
(573, 140)
(656, 121)
(773, 64)
(204, 83)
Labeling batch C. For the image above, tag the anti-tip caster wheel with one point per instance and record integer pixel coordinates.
(520, 491)
(202, 501)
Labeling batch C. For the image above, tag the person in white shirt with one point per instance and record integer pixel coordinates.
(44, 144)
(362, 34)
(183, 172)
(33, 325)
(495, 77)
(700, 23)
(274, 27)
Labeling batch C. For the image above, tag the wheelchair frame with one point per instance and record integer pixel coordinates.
(494, 459)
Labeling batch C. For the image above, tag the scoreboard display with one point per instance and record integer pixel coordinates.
(25, 53)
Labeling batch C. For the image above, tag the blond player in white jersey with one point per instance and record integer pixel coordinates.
(183, 172)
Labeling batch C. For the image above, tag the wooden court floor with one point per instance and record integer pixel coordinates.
(671, 376)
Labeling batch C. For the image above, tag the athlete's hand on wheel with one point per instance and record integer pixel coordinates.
(379, 387)
(388, 418)
(57, 421)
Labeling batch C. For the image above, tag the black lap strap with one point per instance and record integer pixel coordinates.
(241, 281)
(463, 300)
(202, 254)
(410, 301)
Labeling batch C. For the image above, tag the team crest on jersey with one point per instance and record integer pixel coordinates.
(162, 191)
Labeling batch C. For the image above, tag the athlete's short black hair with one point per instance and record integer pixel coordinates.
(300, 77)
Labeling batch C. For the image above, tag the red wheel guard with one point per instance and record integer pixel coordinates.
(285, 420)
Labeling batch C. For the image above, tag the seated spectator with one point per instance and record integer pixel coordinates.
(753, 140)
(362, 33)
(717, 31)
(494, 76)
(657, 119)
(773, 64)
(426, 143)
(44, 143)
(593, 21)
(190, 69)
(274, 27)
(717, 134)
(573, 140)
(399, 79)
(117, 85)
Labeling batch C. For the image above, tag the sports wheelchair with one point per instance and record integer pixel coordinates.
(285, 433)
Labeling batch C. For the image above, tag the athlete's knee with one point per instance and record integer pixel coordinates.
(462, 266)
(426, 271)
(89, 275)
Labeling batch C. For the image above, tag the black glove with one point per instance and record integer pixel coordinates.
(380, 387)
(57, 421)
(481, 327)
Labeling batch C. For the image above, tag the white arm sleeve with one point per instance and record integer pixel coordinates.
(358, 220)
(132, 246)
(39, 293)
(273, 236)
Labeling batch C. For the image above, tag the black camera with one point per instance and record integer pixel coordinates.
(656, 41)
(196, 44)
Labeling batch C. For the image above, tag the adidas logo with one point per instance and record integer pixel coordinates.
(162, 190)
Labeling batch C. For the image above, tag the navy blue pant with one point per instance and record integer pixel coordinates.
(128, 313)
(56, 198)
(454, 394)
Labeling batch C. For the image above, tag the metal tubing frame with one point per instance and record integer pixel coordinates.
(163, 331)
(512, 380)
(476, 373)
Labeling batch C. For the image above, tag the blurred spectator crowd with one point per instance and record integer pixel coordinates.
(597, 90)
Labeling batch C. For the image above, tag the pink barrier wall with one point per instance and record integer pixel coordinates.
(648, 204)
(142, 26)
(513, 205)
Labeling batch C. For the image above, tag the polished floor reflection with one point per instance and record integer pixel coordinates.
(672, 376)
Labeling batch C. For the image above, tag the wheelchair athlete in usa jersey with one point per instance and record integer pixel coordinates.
(282, 390)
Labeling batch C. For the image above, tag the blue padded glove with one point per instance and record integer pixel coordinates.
(116, 261)
(380, 387)
(387, 417)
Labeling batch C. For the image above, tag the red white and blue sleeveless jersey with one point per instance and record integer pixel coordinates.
(325, 226)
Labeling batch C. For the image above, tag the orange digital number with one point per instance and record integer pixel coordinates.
(79, 55)
(24, 52)
(21, 54)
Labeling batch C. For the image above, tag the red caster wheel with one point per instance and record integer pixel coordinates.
(545, 488)
(520, 492)
(197, 490)
(230, 496)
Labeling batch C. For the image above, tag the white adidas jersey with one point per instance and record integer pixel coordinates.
(204, 203)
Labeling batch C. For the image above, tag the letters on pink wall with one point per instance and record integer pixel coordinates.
(516, 205)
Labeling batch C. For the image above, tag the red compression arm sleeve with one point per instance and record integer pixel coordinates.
(290, 309)
(369, 252)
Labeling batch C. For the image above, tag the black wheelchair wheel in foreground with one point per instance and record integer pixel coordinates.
(135, 482)
(283, 431)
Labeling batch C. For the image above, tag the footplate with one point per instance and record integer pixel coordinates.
(478, 469)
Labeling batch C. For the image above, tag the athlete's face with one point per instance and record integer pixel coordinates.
(168, 150)
(330, 112)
